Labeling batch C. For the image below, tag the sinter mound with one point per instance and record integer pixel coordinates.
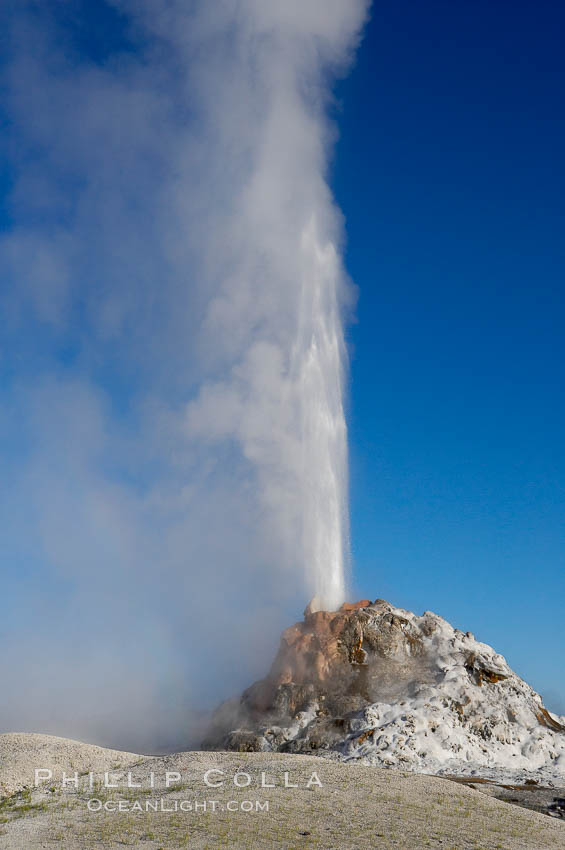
(379, 684)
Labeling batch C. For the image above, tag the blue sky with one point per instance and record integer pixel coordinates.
(129, 132)
(449, 171)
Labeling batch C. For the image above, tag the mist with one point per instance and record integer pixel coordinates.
(174, 371)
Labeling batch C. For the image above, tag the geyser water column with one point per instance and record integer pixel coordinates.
(318, 365)
(275, 386)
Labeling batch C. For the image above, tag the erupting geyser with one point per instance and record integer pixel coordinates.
(192, 250)
(280, 287)
(318, 365)
(284, 405)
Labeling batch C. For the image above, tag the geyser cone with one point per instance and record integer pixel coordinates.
(382, 685)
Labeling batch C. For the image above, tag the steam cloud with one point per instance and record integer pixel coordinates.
(173, 356)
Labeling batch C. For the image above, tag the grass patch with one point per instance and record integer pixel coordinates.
(19, 805)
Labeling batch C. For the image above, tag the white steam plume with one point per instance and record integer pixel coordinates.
(176, 445)
(282, 399)
(280, 285)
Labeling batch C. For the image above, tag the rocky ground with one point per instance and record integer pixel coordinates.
(334, 805)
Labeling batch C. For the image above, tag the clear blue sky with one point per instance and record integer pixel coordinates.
(450, 173)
